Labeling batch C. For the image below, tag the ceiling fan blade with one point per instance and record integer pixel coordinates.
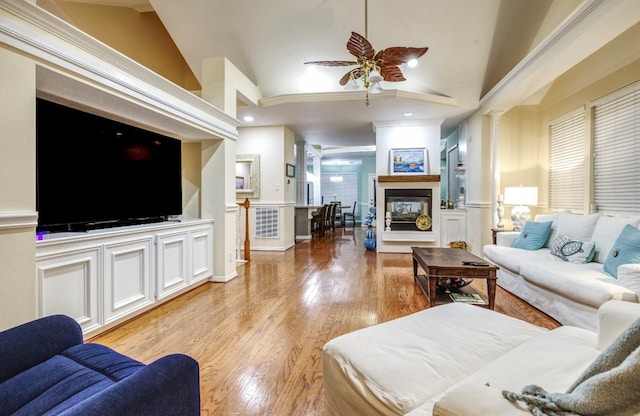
(355, 73)
(359, 47)
(391, 73)
(332, 63)
(397, 55)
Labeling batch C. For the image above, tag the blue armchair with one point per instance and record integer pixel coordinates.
(46, 369)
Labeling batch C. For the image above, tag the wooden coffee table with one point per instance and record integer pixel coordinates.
(450, 263)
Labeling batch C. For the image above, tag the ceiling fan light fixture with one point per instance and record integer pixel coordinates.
(375, 88)
(375, 77)
(412, 63)
(352, 84)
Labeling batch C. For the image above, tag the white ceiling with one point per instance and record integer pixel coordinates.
(472, 45)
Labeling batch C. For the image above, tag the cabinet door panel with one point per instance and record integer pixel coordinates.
(68, 285)
(201, 254)
(127, 277)
(454, 228)
(172, 264)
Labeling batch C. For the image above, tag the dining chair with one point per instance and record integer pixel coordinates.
(330, 223)
(350, 216)
(318, 221)
(337, 217)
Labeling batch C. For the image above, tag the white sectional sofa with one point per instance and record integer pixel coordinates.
(570, 293)
(455, 359)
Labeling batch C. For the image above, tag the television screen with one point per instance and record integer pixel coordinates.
(93, 172)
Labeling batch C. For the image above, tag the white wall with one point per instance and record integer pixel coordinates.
(398, 137)
(275, 145)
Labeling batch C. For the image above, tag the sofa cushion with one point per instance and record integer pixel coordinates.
(576, 226)
(625, 250)
(512, 258)
(554, 226)
(533, 235)
(573, 251)
(606, 231)
(583, 283)
(629, 277)
(553, 360)
(65, 380)
(394, 367)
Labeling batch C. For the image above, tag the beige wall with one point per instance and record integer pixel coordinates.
(523, 131)
(191, 179)
(17, 188)
(118, 26)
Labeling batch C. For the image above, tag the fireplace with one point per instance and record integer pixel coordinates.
(405, 205)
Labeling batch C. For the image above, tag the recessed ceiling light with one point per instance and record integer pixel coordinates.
(408, 114)
(248, 119)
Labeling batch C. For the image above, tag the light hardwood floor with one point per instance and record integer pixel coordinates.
(259, 337)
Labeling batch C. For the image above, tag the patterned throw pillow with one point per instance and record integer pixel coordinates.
(571, 250)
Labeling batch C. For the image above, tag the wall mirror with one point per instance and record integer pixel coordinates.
(248, 176)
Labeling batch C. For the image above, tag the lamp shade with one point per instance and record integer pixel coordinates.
(521, 195)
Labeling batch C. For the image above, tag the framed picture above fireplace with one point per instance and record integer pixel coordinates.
(408, 161)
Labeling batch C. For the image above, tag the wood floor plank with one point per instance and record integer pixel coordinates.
(258, 338)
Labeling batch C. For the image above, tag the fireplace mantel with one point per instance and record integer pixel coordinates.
(408, 178)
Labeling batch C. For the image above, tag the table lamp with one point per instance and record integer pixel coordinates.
(520, 197)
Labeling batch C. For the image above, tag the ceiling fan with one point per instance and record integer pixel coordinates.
(373, 67)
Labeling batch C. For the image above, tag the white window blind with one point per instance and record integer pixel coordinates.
(616, 135)
(566, 158)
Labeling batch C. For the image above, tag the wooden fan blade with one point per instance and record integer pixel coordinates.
(355, 73)
(397, 55)
(391, 73)
(359, 47)
(332, 63)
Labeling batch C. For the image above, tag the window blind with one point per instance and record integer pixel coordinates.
(616, 158)
(566, 158)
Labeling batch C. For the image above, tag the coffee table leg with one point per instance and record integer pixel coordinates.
(491, 292)
(415, 269)
(432, 280)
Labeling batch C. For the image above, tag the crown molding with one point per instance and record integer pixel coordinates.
(588, 28)
(357, 95)
(58, 45)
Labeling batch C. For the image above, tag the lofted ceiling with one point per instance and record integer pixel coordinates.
(472, 46)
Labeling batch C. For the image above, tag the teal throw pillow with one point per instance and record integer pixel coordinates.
(571, 250)
(625, 250)
(533, 235)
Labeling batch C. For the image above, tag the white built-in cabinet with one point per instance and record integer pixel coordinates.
(453, 226)
(104, 277)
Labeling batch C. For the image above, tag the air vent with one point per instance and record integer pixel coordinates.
(267, 222)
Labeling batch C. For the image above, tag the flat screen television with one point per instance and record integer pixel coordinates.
(93, 172)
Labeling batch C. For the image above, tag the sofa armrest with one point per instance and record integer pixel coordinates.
(615, 316)
(506, 238)
(32, 343)
(169, 386)
(473, 399)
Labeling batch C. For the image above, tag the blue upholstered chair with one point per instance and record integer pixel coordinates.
(45, 368)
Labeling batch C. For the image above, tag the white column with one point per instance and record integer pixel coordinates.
(495, 166)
